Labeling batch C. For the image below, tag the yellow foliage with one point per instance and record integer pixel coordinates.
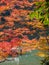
(41, 54)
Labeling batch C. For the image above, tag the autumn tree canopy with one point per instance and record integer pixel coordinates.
(18, 30)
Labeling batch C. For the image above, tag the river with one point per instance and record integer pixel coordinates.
(29, 58)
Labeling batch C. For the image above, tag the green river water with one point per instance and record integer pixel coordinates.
(29, 58)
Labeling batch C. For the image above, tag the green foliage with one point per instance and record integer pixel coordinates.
(41, 12)
(45, 61)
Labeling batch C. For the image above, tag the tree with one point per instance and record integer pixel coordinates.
(41, 13)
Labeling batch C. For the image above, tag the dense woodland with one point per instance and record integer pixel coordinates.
(24, 26)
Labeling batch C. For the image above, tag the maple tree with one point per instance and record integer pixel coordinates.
(17, 30)
(41, 13)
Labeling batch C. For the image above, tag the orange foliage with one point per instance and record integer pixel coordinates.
(16, 26)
